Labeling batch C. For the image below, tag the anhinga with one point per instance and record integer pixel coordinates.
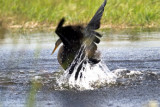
(74, 36)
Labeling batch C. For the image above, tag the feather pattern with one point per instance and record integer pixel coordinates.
(95, 21)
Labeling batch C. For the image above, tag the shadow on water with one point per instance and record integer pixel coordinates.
(25, 57)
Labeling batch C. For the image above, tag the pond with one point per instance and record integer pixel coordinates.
(26, 57)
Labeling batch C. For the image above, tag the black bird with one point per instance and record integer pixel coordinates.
(74, 37)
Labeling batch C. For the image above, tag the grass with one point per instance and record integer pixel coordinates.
(31, 101)
(118, 13)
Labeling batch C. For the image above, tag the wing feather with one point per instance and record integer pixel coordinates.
(95, 21)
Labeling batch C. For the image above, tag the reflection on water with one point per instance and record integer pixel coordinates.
(3, 30)
(133, 55)
(132, 34)
(129, 35)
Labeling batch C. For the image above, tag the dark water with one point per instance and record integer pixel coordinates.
(26, 57)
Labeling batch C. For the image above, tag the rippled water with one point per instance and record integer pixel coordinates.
(132, 55)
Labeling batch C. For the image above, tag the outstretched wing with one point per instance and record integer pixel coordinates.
(60, 24)
(95, 21)
(91, 36)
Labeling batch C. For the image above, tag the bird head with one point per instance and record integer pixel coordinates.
(58, 42)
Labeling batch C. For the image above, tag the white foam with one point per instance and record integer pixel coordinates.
(89, 75)
(92, 76)
(124, 72)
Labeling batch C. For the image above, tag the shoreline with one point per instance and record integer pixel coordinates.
(35, 26)
(12, 24)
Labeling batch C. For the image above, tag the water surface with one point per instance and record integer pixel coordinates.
(25, 57)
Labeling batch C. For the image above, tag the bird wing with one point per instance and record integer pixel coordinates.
(91, 36)
(60, 24)
(95, 21)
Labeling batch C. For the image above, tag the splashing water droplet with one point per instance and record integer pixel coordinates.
(83, 74)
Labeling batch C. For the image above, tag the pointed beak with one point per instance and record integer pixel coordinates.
(58, 42)
(54, 50)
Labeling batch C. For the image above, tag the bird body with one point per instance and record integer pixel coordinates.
(79, 40)
(79, 56)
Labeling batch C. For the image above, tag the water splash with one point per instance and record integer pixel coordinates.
(82, 74)
(93, 76)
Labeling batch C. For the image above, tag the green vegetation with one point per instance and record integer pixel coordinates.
(31, 101)
(118, 13)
